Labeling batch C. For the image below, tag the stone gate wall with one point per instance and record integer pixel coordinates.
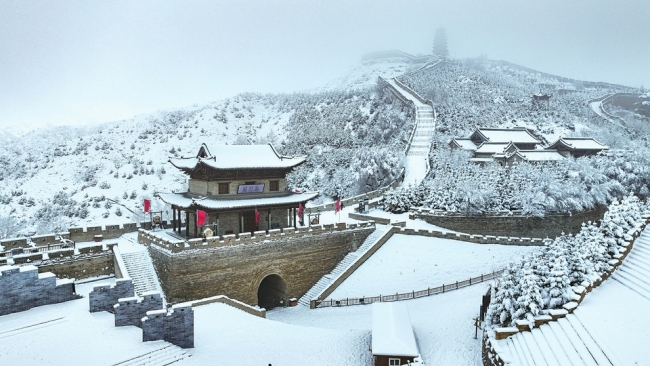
(237, 270)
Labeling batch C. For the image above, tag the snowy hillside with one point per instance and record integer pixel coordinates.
(62, 176)
(56, 177)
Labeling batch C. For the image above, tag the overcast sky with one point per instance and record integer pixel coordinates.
(77, 62)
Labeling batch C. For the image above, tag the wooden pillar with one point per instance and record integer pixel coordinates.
(187, 223)
(196, 228)
(268, 219)
(174, 223)
(295, 223)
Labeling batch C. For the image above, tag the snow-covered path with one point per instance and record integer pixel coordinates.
(416, 167)
(597, 108)
(411, 263)
(442, 324)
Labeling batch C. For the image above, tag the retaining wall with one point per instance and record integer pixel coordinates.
(253, 310)
(90, 262)
(23, 288)
(551, 225)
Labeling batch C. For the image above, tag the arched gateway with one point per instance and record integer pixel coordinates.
(272, 292)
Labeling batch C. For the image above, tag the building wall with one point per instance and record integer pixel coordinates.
(237, 271)
(383, 360)
(551, 225)
(212, 187)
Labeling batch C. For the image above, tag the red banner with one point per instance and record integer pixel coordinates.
(300, 209)
(337, 208)
(257, 217)
(201, 217)
(147, 205)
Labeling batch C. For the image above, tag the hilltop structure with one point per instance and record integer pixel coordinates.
(240, 188)
(507, 146)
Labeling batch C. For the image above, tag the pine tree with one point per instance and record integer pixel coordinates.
(530, 302)
(440, 43)
(505, 292)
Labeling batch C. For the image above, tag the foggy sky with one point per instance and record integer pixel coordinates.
(78, 62)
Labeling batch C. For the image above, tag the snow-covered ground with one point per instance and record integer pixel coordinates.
(412, 263)
(442, 324)
(67, 334)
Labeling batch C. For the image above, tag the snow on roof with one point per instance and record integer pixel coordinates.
(517, 135)
(492, 147)
(185, 201)
(392, 334)
(540, 155)
(580, 143)
(463, 143)
(245, 156)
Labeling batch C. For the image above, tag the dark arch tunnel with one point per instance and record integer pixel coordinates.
(272, 292)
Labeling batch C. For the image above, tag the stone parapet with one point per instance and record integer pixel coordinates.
(175, 326)
(509, 223)
(103, 297)
(23, 288)
(131, 310)
(477, 239)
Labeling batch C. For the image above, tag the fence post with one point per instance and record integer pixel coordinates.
(428, 291)
(470, 281)
(481, 278)
(456, 285)
(413, 295)
(443, 288)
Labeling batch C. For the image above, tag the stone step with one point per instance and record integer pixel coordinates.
(163, 356)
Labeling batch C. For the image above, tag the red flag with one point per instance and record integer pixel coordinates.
(201, 217)
(257, 217)
(300, 208)
(337, 208)
(147, 205)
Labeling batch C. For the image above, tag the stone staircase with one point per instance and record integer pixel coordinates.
(326, 280)
(166, 355)
(140, 269)
(634, 273)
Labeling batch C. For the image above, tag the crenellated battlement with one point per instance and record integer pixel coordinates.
(177, 246)
(477, 239)
(175, 325)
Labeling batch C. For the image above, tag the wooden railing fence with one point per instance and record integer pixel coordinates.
(407, 295)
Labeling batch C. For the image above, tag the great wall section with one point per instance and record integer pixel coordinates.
(305, 263)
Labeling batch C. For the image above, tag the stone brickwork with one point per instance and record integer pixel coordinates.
(236, 267)
(23, 288)
(131, 310)
(477, 239)
(177, 246)
(65, 265)
(175, 326)
(103, 297)
(551, 225)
